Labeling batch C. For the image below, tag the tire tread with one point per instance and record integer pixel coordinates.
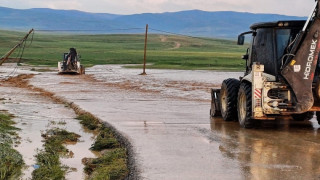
(232, 87)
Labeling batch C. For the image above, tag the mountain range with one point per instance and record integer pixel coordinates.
(221, 24)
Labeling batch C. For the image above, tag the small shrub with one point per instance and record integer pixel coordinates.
(112, 165)
(48, 159)
(11, 162)
(105, 140)
(89, 121)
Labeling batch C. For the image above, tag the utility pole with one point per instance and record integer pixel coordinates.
(6, 56)
(145, 52)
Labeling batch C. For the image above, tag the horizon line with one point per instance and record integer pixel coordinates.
(165, 12)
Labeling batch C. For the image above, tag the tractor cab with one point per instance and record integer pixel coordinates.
(270, 42)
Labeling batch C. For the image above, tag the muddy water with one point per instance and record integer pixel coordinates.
(8, 70)
(174, 138)
(279, 150)
(35, 114)
(193, 85)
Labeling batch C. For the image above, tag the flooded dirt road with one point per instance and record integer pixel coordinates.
(165, 116)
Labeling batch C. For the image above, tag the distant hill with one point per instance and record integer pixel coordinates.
(223, 24)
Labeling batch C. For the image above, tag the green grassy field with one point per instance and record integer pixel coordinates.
(164, 51)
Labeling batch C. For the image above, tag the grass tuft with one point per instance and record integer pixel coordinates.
(48, 159)
(6, 125)
(49, 167)
(105, 140)
(54, 139)
(112, 165)
(89, 121)
(11, 161)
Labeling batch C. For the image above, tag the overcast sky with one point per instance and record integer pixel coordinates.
(287, 7)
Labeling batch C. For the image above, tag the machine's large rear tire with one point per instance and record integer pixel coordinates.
(245, 105)
(228, 99)
(303, 117)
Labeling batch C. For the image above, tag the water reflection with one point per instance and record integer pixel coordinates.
(282, 150)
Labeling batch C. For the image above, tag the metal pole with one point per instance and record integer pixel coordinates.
(145, 52)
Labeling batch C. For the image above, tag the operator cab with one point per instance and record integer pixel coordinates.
(270, 42)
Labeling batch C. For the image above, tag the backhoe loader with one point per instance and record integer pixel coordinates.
(70, 63)
(282, 76)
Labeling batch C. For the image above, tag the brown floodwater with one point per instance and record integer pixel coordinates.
(194, 85)
(274, 150)
(165, 116)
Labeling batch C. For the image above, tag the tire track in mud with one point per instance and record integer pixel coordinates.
(22, 81)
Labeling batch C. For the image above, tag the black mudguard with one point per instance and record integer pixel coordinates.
(215, 103)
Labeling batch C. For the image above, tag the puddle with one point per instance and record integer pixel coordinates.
(277, 150)
(35, 114)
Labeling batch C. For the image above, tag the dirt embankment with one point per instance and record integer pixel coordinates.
(22, 81)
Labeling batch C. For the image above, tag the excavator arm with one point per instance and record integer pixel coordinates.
(301, 63)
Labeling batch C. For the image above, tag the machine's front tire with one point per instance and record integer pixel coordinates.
(245, 105)
(228, 99)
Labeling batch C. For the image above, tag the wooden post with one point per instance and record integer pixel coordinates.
(6, 56)
(145, 52)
